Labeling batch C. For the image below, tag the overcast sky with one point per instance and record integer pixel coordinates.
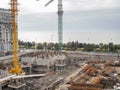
(92, 21)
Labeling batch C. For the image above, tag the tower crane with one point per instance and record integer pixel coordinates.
(60, 24)
(16, 69)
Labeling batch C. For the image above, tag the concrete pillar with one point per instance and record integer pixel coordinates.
(0, 86)
(23, 88)
(28, 88)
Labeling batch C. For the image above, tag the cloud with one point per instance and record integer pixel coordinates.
(4, 3)
(81, 36)
(107, 19)
(86, 16)
(97, 25)
(42, 36)
(33, 6)
(92, 37)
(38, 22)
(91, 4)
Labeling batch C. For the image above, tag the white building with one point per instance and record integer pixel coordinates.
(5, 30)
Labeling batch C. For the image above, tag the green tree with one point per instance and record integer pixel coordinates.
(111, 47)
(105, 47)
(80, 45)
(117, 48)
(56, 46)
(39, 46)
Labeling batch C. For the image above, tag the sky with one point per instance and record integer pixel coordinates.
(89, 21)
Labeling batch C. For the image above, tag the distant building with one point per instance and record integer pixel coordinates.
(5, 30)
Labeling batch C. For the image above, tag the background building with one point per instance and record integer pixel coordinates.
(5, 30)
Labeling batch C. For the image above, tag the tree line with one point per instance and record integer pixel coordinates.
(73, 45)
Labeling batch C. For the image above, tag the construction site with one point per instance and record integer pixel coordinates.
(74, 71)
(52, 69)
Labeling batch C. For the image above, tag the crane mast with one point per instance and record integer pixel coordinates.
(14, 13)
(60, 24)
(16, 69)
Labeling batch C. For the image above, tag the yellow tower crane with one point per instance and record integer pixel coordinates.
(17, 80)
(16, 69)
